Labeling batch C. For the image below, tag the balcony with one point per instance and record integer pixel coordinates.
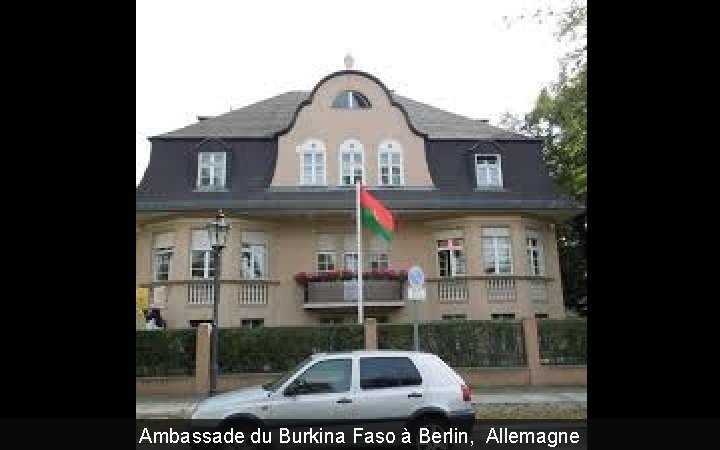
(343, 293)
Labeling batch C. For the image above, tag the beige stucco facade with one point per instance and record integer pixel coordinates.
(331, 128)
(291, 246)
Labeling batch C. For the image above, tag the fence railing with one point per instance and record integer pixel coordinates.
(563, 342)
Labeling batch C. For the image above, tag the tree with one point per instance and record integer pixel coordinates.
(559, 118)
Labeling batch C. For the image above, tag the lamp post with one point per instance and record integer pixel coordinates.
(217, 232)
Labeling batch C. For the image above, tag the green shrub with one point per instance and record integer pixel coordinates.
(461, 343)
(563, 341)
(164, 352)
(276, 349)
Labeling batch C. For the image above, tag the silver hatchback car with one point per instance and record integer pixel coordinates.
(416, 390)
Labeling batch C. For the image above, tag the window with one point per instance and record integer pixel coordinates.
(488, 171)
(497, 251)
(162, 254)
(325, 377)
(350, 261)
(202, 258)
(385, 372)
(351, 100)
(502, 316)
(451, 258)
(252, 323)
(541, 316)
(351, 163)
(379, 253)
(390, 164)
(254, 255)
(379, 261)
(325, 261)
(454, 317)
(536, 258)
(195, 323)
(312, 163)
(211, 170)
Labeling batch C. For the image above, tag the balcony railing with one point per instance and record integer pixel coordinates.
(254, 293)
(452, 290)
(201, 293)
(344, 293)
(501, 289)
(538, 291)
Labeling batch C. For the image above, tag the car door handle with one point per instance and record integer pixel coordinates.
(415, 394)
(344, 400)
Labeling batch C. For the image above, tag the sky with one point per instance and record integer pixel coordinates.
(204, 58)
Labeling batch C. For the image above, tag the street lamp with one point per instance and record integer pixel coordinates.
(217, 232)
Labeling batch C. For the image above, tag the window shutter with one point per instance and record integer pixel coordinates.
(200, 240)
(163, 240)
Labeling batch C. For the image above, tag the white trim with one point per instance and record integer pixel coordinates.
(325, 252)
(493, 235)
(499, 168)
(396, 149)
(345, 149)
(531, 233)
(306, 148)
(212, 166)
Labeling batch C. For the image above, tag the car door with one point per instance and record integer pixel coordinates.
(391, 389)
(323, 392)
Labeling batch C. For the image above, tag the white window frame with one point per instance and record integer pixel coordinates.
(486, 168)
(212, 167)
(539, 251)
(348, 255)
(390, 148)
(351, 147)
(257, 253)
(162, 251)
(314, 148)
(351, 100)
(207, 255)
(454, 262)
(376, 258)
(494, 235)
(317, 260)
(248, 322)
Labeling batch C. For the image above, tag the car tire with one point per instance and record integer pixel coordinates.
(433, 424)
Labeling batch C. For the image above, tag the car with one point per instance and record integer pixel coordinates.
(366, 389)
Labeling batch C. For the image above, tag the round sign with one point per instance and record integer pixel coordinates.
(416, 276)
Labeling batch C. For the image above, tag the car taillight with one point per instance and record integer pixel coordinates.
(466, 393)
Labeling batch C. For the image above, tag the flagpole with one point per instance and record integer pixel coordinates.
(359, 252)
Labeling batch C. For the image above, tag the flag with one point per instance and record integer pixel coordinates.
(375, 216)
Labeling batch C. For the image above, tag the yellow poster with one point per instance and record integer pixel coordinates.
(141, 299)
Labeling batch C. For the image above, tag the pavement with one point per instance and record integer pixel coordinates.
(515, 397)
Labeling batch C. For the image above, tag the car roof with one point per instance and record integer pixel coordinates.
(379, 352)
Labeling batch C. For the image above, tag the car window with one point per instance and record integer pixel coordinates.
(329, 376)
(385, 372)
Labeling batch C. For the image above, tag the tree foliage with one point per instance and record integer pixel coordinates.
(559, 118)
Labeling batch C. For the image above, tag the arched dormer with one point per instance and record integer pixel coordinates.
(329, 117)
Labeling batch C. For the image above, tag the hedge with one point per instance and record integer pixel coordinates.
(165, 352)
(276, 349)
(563, 342)
(461, 343)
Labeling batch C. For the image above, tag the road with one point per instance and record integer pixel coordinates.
(485, 434)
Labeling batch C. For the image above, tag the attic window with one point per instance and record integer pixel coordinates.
(351, 100)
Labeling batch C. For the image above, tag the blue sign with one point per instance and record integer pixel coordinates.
(416, 277)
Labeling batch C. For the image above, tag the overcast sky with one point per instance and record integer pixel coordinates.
(198, 58)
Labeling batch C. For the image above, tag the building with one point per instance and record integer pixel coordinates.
(474, 206)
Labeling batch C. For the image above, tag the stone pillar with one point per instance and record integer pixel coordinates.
(371, 341)
(532, 349)
(202, 359)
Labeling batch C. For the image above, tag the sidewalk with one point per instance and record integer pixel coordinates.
(515, 397)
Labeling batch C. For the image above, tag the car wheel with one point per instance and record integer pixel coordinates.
(433, 425)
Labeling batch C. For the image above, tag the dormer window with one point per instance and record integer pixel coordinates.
(312, 163)
(390, 164)
(211, 170)
(351, 100)
(488, 171)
